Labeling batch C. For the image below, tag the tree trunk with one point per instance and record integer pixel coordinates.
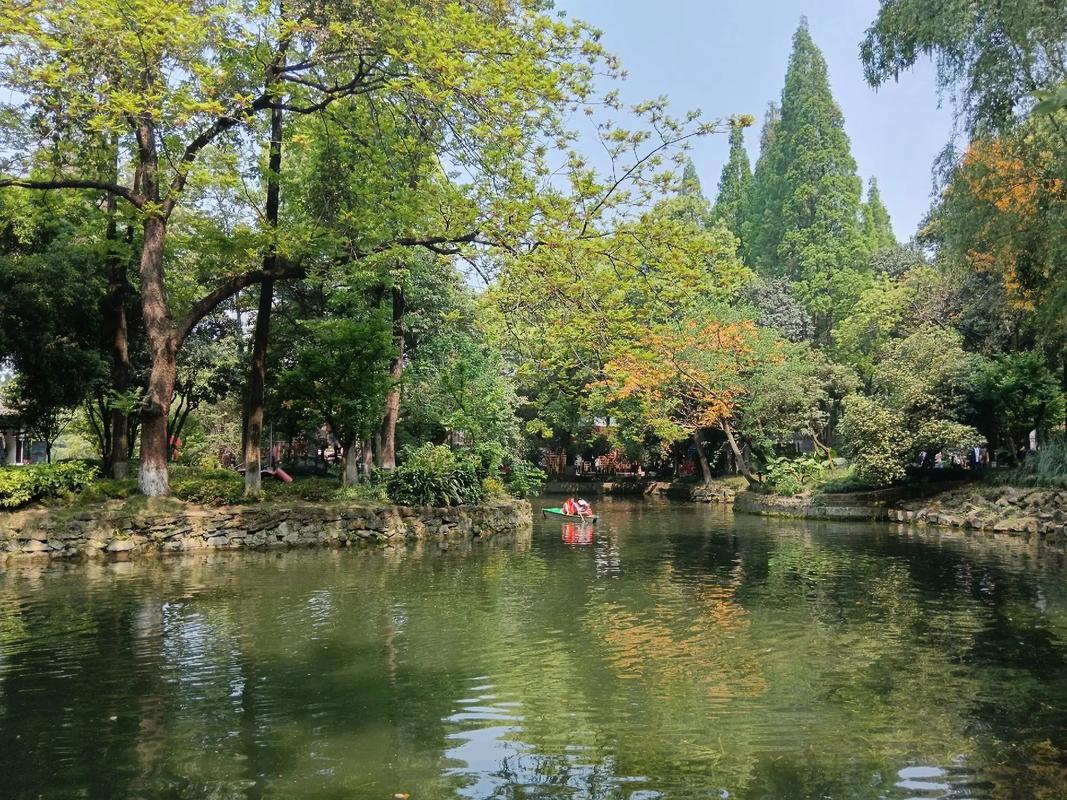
(163, 342)
(257, 379)
(739, 457)
(367, 451)
(396, 372)
(350, 472)
(118, 465)
(153, 479)
(702, 457)
(10, 448)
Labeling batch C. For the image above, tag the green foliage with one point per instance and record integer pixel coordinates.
(875, 226)
(335, 370)
(937, 435)
(850, 482)
(1050, 458)
(209, 487)
(314, 490)
(524, 479)
(920, 385)
(775, 307)
(789, 475)
(1046, 468)
(924, 375)
(794, 389)
(802, 220)
(20, 485)
(435, 475)
(16, 486)
(1015, 393)
(104, 489)
(991, 56)
(456, 378)
(734, 181)
(493, 488)
(877, 440)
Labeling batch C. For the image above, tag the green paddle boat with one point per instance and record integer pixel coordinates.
(559, 513)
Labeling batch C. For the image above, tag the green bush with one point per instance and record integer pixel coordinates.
(434, 475)
(105, 489)
(877, 439)
(20, 485)
(368, 492)
(1050, 460)
(788, 475)
(848, 483)
(1044, 469)
(16, 487)
(314, 490)
(209, 487)
(524, 479)
(493, 488)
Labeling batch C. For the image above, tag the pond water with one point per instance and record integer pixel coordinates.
(677, 652)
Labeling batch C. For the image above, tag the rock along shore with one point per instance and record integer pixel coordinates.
(170, 526)
(1033, 513)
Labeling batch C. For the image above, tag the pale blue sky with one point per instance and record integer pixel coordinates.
(730, 58)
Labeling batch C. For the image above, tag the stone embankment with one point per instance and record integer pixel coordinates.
(170, 526)
(1002, 509)
(630, 487)
(861, 506)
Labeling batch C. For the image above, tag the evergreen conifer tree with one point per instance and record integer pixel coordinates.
(761, 229)
(805, 208)
(734, 181)
(877, 229)
(691, 181)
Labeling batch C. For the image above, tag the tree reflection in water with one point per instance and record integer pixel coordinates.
(678, 652)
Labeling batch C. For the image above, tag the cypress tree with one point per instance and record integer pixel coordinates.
(877, 229)
(690, 181)
(691, 204)
(810, 202)
(761, 228)
(734, 181)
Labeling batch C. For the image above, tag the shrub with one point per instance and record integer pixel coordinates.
(314, 490)
(788, 476)
(1050, 460)
(209, 487)
(524, 479)
(877, 440)
(373, 491)
(847, 483)
(433, 475)
(493, 487)
(105, 489)
(20, 485)
(16, 486)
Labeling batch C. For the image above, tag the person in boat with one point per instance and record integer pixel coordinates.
(583, 508)
(570, 507)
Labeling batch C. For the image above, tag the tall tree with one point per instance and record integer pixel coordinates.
(173, 81)
(734, 180)
(877, 229)
(761, 227)
(814, 193)
(257, 378)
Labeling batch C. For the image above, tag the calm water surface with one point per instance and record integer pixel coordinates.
(681, 652)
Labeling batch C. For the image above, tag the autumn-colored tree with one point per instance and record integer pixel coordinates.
(682, 377)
